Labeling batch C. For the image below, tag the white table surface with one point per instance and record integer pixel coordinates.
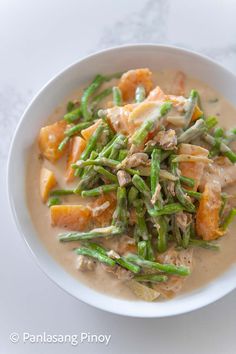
(38, 39)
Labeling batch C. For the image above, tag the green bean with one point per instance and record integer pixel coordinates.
(182, 197)
(192, 102)
(92, 142)
(140, 94)
(162, 239)
(218, 135)
(159, 222)
(96, 255)
(143, 188)
(204, 244)
(186, 237)
(180, 194)
(95, 246)
(224, 149)
(103, 161)
(152, 278)
(150, 254)
(155, 169)
(53, 201)
(133, 171)
(154, 177)
(175, 230)
(142, 249)
(60, 192)
(117, 96)
(119, 143)
(139, 183)
(97, 82)
(122, 154)
(100, 161)
(196, 130)
(107, 231)
(193, 233)
(142, 230)
(108, 175)
(148, 149)
(95, 192)
(127, 265)
(162, 267)
(219, 132)
(120, 216)
(121, 260)
(132, 195)
(90, 147)
(70, 106)
(211, 122)
(87, 181)
(190, 182)
(63, 143)
(167, 209)
(105, 137)
(224, 200)
(190, 193)
(166, 154)
(150, 124)
(74, 115)
(89, 178)
(77, 128)
(215, 150)
(229, 218)
(108, 147)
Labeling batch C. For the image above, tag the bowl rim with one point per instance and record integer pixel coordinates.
(97, 304)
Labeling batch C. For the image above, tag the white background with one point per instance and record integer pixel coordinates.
(38, 39)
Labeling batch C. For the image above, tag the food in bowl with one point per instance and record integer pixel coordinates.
(130, 188)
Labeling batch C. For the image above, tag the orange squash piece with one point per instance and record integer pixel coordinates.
(77, 146)
(47, 182)
(50, 137)
(118, 118)
(156, 95)
(197, 113)
(88, 132)
(131, 79)
(207, 218)
(72, 217)
(192, 169)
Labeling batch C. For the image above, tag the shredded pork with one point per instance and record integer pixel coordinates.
(167, 139)
(84, 263)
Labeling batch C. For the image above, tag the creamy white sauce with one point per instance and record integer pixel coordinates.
(207, 264)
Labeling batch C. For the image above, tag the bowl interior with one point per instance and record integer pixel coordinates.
(118, 59)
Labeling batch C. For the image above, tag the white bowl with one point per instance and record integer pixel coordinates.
(156, 57)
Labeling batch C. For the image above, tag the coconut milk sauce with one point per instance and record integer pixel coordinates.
(207, 264)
